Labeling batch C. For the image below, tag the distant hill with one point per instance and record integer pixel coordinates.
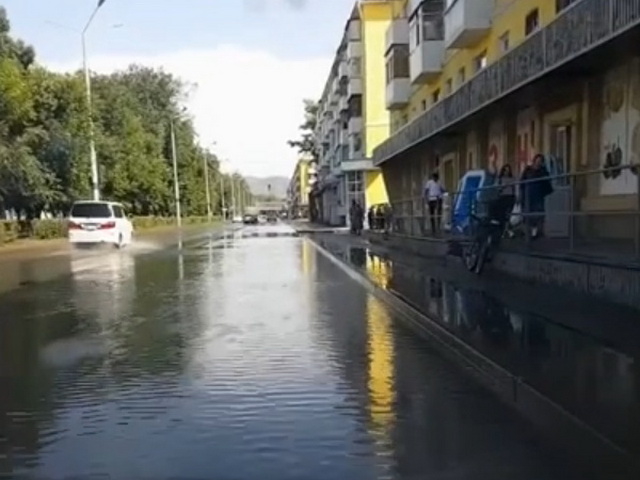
(260, 186)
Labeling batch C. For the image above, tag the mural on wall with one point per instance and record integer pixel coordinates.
(495, 152)
(620, 132)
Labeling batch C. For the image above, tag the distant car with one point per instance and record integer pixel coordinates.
(272, 219)
(237, 219)
(99, 223)
(249, 219)
(262, 218)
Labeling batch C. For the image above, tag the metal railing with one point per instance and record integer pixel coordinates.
(581, 27)
(577, 218)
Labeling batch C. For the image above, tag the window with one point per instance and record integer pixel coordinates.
(480, 61)
(355, 67)
(355, 106)
(355, 188)
(91, 210)
(117, 211)
(462, 76)
(449, 87)
(354, 182)
(424, 105)
(562, 4)
(427, 23)
(398, 62)
(435, 96)
(531, 22)
(344, 153)
(503, 42)
(356, 142)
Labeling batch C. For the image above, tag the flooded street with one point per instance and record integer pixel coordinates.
(251, 356)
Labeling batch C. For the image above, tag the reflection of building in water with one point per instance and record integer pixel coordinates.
(379, 270)
(381, 385)
(308, 257)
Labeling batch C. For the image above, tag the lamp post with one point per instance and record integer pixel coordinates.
(176, 184)
(206, 187)
(87, 80)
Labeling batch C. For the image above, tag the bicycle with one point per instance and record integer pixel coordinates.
(487, 236)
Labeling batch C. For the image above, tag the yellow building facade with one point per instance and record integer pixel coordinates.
(481, 83)
(300, 187)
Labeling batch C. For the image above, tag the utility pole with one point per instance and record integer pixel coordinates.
(176, 185)
(206, 186)
(95, 185)
(224, 205)
(233, 193)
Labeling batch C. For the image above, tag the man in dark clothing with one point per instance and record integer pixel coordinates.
(535, 186)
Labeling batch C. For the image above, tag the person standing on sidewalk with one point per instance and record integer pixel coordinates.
(507, 199)
(434, 192)
(534, 188)
(356, 215)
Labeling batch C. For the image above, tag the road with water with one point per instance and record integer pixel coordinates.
(243, 356)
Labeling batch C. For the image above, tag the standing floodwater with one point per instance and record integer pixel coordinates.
(242, 358)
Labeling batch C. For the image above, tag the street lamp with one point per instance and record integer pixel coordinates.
(176, 184)
(87, 80)
(206, 183)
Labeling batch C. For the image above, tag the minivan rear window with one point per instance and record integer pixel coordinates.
(91, 210)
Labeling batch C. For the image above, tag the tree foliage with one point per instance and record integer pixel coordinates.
(44, 139)
(306, 144)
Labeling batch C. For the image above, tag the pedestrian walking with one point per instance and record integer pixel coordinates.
(434, 192)
(534, 188)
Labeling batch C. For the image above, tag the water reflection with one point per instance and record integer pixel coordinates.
(596, 380)
(381, 367)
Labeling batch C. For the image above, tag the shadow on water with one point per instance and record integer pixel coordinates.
(595, 379)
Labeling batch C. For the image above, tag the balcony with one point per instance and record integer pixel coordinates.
(355, 125)
(343, 104)
(425, 61)
(397, 33)
(354, 87)
(354, 31)
(466, 22)
(335, 86)
(354, 50)
(584, 26)
(398, 92)
(343, 69)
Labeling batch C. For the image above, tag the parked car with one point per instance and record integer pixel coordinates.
(99, 223)
(237, 219)
(249, 219)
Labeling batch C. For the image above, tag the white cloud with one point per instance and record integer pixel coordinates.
(249, 102)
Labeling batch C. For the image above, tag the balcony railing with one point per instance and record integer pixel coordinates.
(578, 29)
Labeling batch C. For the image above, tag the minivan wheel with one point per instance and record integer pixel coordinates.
(120, 243)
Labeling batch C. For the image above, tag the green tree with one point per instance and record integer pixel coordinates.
(306, 144)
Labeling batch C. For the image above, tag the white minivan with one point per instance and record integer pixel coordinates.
(95, 222)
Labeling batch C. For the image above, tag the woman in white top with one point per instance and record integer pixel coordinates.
(433, 192)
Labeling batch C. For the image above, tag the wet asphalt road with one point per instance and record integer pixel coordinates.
(248, 357)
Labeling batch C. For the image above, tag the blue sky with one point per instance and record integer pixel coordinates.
(252, 60)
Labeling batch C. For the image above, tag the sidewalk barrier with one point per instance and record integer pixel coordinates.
(573, 221)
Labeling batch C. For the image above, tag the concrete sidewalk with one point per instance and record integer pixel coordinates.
(305, 226)
(603, 278)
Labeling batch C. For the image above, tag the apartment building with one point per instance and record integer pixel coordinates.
(353, 118)
(480, 83)
(303, 181)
